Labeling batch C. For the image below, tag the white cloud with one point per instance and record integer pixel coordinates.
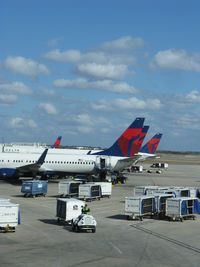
(15, 87)
(25, 66)
(48, 108)
(18, 122)
(108, 85)
(103, 71)
(84, 119)
(176, 59)
(193, 96)
(7, 99)
(127, 104)
(84, 129)
(66, 56)
(124, 43)
(131, 103)
(55, 41)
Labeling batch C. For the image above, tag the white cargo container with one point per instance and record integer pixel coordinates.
(192, 192)
(106, 188)
(160, 202)
(68, 188)
(142, 190)
(68, 209)
(89, 191)
(178, 208)
(139, 206)
(4, 200)
(135, 168)
(176, 191)
(9, 216)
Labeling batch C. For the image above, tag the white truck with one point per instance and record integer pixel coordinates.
(68, 209)
(84, 222)
(9, 216)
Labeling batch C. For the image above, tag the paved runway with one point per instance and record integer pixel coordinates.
(39, 241)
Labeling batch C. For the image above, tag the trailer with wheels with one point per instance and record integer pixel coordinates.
(68, 188)
(182, 208)
(68, 209)
(34, 188)
(106, 188)
(160, 202)
(89, 191)
(9, 216)
(137, 207)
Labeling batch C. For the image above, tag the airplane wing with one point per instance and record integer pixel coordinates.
(35, 166)
(124, 163)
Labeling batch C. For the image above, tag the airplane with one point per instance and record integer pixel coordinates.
(29, 147)
(150, 148)
(115, 158)
(57, 142)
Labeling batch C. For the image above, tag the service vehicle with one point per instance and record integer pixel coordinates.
(84, 222)
(9, 216)
(68, 209)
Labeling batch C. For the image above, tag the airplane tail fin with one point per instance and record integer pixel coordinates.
(152, 145)
(122, 147)
(138, 143)
(57, 142)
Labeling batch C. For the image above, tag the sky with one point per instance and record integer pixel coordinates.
(86, 69)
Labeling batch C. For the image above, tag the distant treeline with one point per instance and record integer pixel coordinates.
(178, 152)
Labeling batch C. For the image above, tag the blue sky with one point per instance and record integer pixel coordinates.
(86, 69)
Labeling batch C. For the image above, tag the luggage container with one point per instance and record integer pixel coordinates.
(139, 206)
(34, 188)
(106, 188)
(68, 209)
(176, 191)
(68, 188)
(160, 165)
(89, 191)
(160, 202)
(182, 207)
(9, 216)
(192, 192)
(4, 200)
(135, 168)
(142, 190)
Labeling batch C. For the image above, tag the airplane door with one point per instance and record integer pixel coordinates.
(102, 163)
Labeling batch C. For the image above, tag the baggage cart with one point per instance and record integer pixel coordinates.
(89, 191)
(142, 190)
(160, 202)
(9, 216)
(182, 207)
(106, 188)
(68, 209)
(34, 188)
(68, 188)
(139, 206)
(176, 191)
(4, 200)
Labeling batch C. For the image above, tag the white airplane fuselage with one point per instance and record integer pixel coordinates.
(85, 164)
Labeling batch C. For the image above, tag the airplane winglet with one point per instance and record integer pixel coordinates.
(42, 157)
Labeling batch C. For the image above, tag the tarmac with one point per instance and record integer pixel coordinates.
(40, 241)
